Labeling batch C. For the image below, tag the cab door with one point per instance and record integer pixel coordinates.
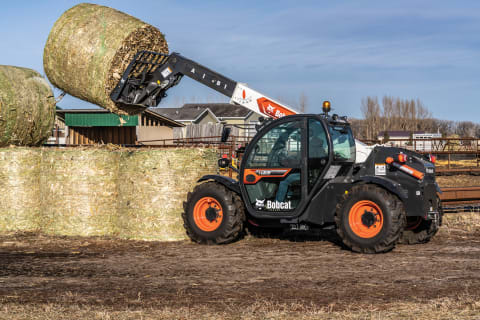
(274, 169)
(318, 153)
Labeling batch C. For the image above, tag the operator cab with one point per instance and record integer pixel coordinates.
(290, 159)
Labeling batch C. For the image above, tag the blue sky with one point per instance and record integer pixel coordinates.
(341, 51)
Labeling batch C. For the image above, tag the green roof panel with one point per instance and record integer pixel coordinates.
(99, 120)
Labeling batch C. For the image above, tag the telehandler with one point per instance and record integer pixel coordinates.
(299, 172)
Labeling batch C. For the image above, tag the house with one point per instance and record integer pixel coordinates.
(99, 126)
(188, 114)
(213, 113)
(402, 139)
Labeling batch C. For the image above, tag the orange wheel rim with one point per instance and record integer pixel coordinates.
(365, 219)
(207, 214)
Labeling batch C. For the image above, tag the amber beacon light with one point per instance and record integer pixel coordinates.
(326, 107)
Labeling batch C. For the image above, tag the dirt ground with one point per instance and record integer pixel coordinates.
(134, 275)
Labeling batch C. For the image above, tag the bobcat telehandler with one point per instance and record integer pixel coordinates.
(300, 171)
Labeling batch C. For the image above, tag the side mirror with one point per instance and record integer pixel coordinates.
(225, 133)
(223, 163)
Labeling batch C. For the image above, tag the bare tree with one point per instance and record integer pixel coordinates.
(388, 114)
(359, 128)
(371, 112)
(446, 127)
(422, 116)
(466, 129)
(396, 114)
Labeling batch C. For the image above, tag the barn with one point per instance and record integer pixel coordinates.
(99, 126)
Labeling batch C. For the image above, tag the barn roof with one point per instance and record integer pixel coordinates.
(180, 114)
(102, 117)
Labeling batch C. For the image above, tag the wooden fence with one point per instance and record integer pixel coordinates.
(203, 131)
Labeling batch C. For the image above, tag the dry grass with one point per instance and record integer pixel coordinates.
(466, 222)
(457, 163)
(458, 181)
(464, 307)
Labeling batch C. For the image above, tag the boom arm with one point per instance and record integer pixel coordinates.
(150, 74)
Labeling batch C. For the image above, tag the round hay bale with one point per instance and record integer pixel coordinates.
(27, 107)
(90, 46)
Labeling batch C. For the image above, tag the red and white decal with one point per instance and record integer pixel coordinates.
(259, 103)
(273, 109)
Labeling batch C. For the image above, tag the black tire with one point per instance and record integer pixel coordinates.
(390, 219)
(419, 230)
(232, 220)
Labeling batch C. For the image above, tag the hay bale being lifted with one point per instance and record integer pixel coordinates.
(90, 46)
(27, 107)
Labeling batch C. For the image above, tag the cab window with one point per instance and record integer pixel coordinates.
(343, 143)
(278, 148)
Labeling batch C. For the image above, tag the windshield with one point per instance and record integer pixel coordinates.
(278, 148)
(343, 143)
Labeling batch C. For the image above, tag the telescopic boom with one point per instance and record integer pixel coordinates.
(148, 77)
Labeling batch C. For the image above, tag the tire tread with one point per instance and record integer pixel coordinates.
(395, 206)
(234, 208)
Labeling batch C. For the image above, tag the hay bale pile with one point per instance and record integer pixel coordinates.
(27, 107)
(152, 187)
(90, 46)
(79, 191)
(20, 195)
(130, 194)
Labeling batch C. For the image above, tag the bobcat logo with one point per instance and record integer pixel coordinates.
(260, 203)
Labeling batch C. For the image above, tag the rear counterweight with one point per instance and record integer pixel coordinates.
(418, 191)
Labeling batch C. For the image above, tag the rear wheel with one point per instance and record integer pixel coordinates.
(213, 214)
(370, 219)
(419, 230)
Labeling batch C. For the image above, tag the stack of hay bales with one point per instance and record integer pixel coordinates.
(90, 46)
(129, 194)
(27, 107)
(96, 191)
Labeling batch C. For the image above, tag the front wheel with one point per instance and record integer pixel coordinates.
(213, 214)
(370, 219)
